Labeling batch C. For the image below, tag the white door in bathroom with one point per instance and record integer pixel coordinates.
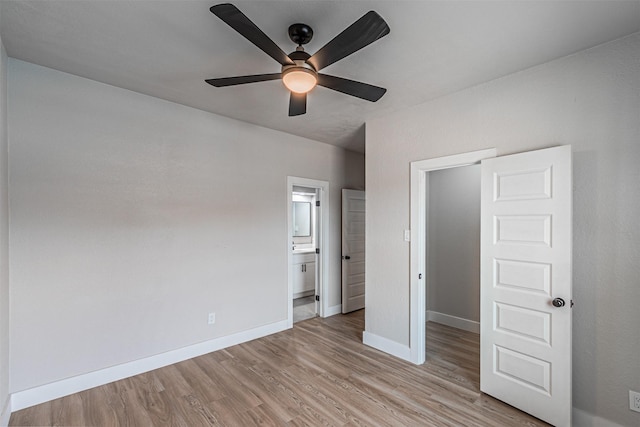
(353, 215)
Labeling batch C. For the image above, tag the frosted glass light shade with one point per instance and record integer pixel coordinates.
(299, 80)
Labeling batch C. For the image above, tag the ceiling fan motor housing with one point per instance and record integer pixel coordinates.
(299, 57)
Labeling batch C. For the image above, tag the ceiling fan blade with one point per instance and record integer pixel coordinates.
(352, 87)
(240, 80)
(361, 33)
(239, 22)
(297, 104)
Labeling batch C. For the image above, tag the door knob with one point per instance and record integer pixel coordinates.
(346, 257)
(558, 302)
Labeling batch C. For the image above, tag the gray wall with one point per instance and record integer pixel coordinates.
(453, 239)
(133, 217)
(589, 100)
(4, 236)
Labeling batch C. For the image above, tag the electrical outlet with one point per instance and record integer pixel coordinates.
(212, 318)
(634, 400)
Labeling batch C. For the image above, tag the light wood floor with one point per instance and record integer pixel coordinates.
(318, 373)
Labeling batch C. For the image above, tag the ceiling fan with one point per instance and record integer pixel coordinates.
(299, 69)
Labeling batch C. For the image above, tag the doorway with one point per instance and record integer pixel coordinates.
(453, 248)
(307, 245)
(525, 302)
(418, 290)
(304, 243)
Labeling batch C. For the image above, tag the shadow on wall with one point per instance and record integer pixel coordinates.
(585, 272)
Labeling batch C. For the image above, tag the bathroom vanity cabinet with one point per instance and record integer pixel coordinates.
(304, 274)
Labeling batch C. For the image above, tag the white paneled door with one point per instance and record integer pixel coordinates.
(353, 213)
(525, 352)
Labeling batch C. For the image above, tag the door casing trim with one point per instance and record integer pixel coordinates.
(417, 286)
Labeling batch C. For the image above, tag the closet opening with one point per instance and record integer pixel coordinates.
(419, 186)
(452, 275)
(453, 247)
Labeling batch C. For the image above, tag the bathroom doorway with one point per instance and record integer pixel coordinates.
(303, 244)
(307, 239)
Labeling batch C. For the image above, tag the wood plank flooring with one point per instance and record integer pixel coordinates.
(317, 374)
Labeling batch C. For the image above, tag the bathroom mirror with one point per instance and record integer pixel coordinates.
(301, 219)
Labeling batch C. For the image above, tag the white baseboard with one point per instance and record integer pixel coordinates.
(386, 345)
(453, 321)
(333, 310)
(6, 412)
(303, 294)
(34, 396)
(584, 419)
(45, 393)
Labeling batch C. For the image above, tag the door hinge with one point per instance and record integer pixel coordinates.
(317, 297)
(317, 250)
(419, 276)
(571, 303)
(317, 203)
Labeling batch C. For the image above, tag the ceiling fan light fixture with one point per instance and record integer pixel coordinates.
(299, 69)
(299, 79)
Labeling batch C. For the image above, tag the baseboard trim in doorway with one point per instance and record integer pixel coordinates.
(333, 310)
(6, 412)
(453, 321)
(584, 419)
(34, 396)
(386, 345)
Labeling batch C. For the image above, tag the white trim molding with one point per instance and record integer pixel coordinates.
(44, 393)
(418, 271)
(386, 345)
(333, 310)
(6, 412)
(453, 321)
(584, 419)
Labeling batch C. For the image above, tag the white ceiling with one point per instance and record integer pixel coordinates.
(168, 48)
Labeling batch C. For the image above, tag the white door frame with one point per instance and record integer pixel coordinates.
(322, 265)
(418, 292)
